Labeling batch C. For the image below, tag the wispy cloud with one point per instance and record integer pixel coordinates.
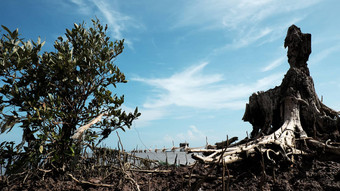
(235, 14)
(272, 65)
(78, 2)
(83, 6)
(148, 115)
(195, 89)
(258, 34)
(324, 54)
(245, 38)
(118, 22)
(192, 135)
(114, 18)
(244, 19)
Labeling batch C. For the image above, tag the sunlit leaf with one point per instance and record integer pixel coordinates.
(50, 97)
(41, 149)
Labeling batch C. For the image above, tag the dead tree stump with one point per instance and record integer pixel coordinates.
(287, 112)
(264, 110)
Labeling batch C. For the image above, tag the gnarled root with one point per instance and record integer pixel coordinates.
(283, 138)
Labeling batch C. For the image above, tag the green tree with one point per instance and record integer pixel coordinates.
(52, 94)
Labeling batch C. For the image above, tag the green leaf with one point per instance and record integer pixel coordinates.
(15, 33)
(136, 111)
(9, 123)
(16, 90)
(72, 150)
(69, 32)
(4, 27)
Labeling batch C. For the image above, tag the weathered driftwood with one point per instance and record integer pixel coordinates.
(285, 113)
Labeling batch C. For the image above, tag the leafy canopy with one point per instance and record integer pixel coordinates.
(52, 94)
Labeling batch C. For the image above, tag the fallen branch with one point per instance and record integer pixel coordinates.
(211, 177)
(79, 132)
(45, 171)
(89, 183)
(150, 171)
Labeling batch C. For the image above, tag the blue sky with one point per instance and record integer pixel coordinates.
(192, 65)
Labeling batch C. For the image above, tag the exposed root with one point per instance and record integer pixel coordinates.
(329, 147)
(284, 138)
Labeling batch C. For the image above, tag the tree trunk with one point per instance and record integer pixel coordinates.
(287, 112)
(264, 110)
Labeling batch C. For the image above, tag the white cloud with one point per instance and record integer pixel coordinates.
(272, 65)
(324, 54)
(147, 115)
(114, 18)
(249, 37)
(192, 135)
(258, 34)
(194, 89)
(235, 14)
(118, 22)
(78, 2)
(84, 7)
(243, 18)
